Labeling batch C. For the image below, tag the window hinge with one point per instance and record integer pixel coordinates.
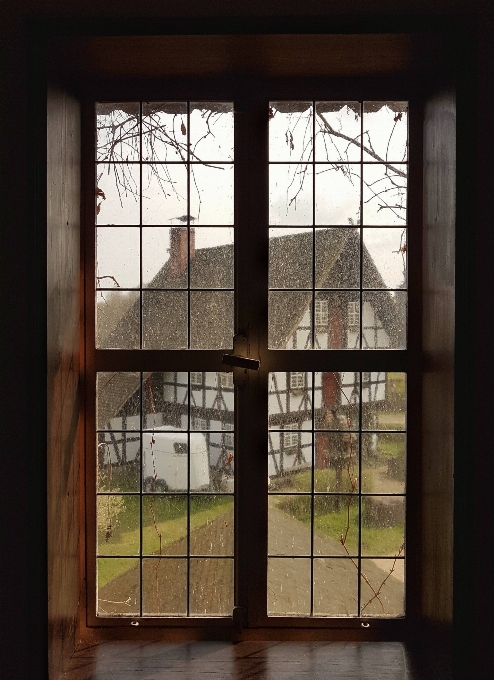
(239, 362)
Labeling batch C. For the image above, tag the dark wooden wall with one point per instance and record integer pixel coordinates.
(63, 381)
(438, 345)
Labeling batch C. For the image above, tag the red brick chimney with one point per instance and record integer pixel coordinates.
(179, 249)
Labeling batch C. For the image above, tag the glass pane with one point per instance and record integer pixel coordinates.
(290, 400)
(289, 587)
(383, 463)
(336, 522)
(336, 462)
(385, 194)
(290, 131)
(336, 401)
(212, 402)
(383, 401)
(337, 258)
(164, 193)
(382, 588)
(290, 194)
(164, 320)
(117, 320)
(117, 257)
(211, 194)
(117, 131)
(211, 587)
(165, 463)
(164, 526)
(164, 257)
(335, 587)
(289, 520)
(119, 457)
(338, 131)
(385, 131)
(165, 401)
(118, 189)
(200, 473)
(164, 133)
(338, 194)
(289, 323)
(211, 131)
(337, 317)
(118, 587)
(290, 258)
(385, 261)
(383, 526)
(211, 525)
(211, 254)
(289, 460)
(211, 319)
(118, 401)
(385, 320)
(164, 587)
(118, 519)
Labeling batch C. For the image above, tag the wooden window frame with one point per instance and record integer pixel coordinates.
(251, 96)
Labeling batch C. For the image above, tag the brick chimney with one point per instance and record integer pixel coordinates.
(179, 249)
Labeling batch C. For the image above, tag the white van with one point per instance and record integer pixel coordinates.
(165, 461)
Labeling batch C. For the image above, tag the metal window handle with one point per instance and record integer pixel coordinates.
(239, 360)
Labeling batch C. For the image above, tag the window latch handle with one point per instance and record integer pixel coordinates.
(239, 362)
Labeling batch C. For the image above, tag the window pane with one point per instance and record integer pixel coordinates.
(211, 131)
(164, 587)
(119, 456)
(384, 463)
(290, 194)
(338, 131)
(164, 525)
(211, 193)
(117, 320)
(165, 401)
(211, 319)
(340, 328)
(337, 399)
(336, 523)
(117, 131)
(118, 519)
(117, 257)
(289, 520)
(118, 587)
(164, 320)
(384, 320)
(383, 525)
(335, 587)
(385, 262)
(337, 258)
(336, 462)
(290, 320)
(383, 401)
(211, 525)
(385, 131)
(118, 401)
(385, 194)
(211, 253)
(165, 257)
(290, 258)
(289, 586)
(290, 131)
(164, 193)
(164, 134)
(338, 194)
(382, 588)
(118, 188)
(211, 587)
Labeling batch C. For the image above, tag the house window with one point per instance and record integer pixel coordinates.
(226, 380)
(321, 313)
(296, 381)
(196, 378)
(166, 237)
(290, 437)
(353, 315)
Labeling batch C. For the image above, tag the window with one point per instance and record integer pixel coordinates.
(296, 381)
(166, 238)
(226, 380)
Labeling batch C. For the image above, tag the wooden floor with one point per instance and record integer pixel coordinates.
(256, 661)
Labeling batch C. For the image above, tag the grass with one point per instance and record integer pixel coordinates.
(171, 517)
